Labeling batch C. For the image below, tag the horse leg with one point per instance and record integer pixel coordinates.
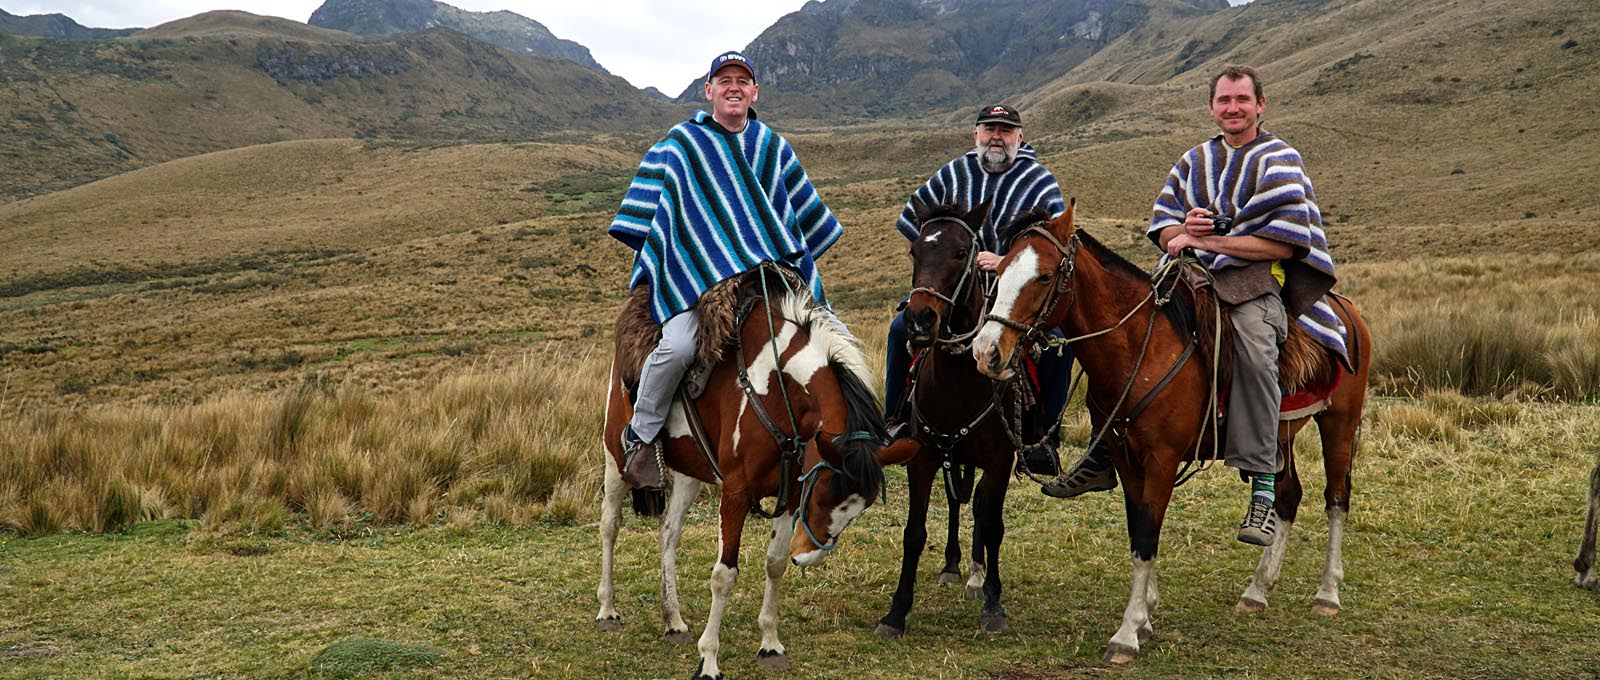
(976, 570)
(1145, 497)
(1584, 562)
(684, 491)
(951, 574)
(919, 482)
(990, 526)
(1289, 492)
(771, 656)
(723, 575)
(1339, 426)
(610, 520)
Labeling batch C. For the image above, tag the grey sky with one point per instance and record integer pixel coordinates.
(648, 42)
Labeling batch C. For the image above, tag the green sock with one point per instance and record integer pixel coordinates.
(1261, 487)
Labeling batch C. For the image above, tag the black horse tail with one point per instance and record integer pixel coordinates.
(861, 472)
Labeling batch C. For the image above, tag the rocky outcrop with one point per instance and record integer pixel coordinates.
(383, 18)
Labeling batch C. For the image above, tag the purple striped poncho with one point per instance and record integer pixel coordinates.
(1264, 186)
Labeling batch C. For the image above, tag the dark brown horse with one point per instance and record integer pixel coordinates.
(1055, 275)
(1584, 563)
(958, 417)
(793, 384)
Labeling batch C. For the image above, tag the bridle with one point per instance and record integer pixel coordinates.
(942, 335)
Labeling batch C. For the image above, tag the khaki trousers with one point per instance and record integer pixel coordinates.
(1259, 328)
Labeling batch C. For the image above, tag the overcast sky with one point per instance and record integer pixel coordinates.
(648, 42)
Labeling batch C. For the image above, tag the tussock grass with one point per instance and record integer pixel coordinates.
(511, 446)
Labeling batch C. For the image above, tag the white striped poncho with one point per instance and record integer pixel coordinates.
(707, 204)
(1264, 187)
(965, 184)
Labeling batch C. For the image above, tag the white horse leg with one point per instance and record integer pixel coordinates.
(771, 656)
(1327, 601)
(722, 579)
(610, 520)
(1124, 646)
(684, 491)
(1151, 596)
(1254, 599)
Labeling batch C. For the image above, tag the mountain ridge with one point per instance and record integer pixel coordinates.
(388, 18)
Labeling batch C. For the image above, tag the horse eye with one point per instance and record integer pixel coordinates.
(1043, 278)
(962, 255)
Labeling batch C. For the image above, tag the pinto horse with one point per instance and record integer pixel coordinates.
(795, 385)
(957, 415)
(1158, 398)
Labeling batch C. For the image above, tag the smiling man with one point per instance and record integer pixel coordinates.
(718, 196)
(1243, 203)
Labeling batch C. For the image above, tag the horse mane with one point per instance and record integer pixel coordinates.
(1008, 233)
(859, 468)
(932, 212)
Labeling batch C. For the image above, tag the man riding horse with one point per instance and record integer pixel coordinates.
(1004, 172)
(720, 194)
(1243, 203)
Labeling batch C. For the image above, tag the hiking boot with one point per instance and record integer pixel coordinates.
(1083, 478)
(1260, 525)
(641, 461)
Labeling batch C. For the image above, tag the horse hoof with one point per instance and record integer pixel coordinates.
(992, 623)
(949, 578)
(1146, 632)
(889, 632)
(699, 675)
(1326, 608)
(608, 624)
(678, 637)
(772, 660)
(974, 593)
(1249, 606)
(1120, 654)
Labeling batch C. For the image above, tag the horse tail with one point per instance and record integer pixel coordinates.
(1585, 560)
(649, 502)
(859, 453)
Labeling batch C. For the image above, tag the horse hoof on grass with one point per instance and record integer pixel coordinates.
(1325, 608)
(608, 624)
(1120, 654)
(949, 578)
(699, 672)
(772, 660)
(992, 623)
(889, 632)
(678, 637)
(1248, 606)
(974, 593)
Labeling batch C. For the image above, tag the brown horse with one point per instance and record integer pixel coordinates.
(794, 385)
(1158, 396)
(1584, 563)
(958, 417)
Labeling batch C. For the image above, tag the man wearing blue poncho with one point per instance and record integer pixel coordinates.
(717, 196)
(1243, 203)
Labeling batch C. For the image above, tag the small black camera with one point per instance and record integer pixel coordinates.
(1221, 225)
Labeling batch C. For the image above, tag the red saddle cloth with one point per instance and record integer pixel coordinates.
(1309, 399)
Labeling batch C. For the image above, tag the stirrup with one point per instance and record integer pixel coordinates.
(1080, 481)
(641, 463)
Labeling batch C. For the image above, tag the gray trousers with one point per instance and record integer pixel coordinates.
(664, 369)
(1259, 327)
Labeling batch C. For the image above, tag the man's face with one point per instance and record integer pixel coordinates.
(731, 91)
(997, 145)
(1235, 108)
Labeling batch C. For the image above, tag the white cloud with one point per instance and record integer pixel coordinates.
(648, 42)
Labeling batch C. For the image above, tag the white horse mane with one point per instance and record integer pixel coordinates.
(841, 347)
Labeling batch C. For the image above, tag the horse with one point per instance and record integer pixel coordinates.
(1143, 375)
(788, 415)
(958, 417)
(1584, 563)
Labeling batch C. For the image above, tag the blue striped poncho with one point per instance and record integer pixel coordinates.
(1264, 186)
(707, 204)
(965, 184)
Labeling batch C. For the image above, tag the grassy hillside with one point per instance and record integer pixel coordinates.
(84, 110)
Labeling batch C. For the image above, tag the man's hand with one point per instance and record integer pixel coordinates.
(1197, 223)
(1181, 241)
(988, 261)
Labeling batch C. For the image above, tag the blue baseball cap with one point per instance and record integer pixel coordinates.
(733, 57)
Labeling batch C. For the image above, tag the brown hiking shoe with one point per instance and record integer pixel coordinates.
(1260, 525)
(1081, 480)
(641, 462)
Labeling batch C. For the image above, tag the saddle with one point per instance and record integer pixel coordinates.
(721, 310)
(1307, 371)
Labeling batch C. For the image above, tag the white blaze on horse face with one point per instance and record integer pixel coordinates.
(932, 238)
(1023, 268)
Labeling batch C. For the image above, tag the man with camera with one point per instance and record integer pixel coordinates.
(1243, 203)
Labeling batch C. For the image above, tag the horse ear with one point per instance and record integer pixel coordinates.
(975, 218)
(1062, 226)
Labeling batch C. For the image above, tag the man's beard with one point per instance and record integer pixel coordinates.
(996, 159)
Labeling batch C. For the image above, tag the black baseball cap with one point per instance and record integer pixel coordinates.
(731, 56)
(999, 113)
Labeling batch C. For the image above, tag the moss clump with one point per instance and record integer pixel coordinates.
(359, 656)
